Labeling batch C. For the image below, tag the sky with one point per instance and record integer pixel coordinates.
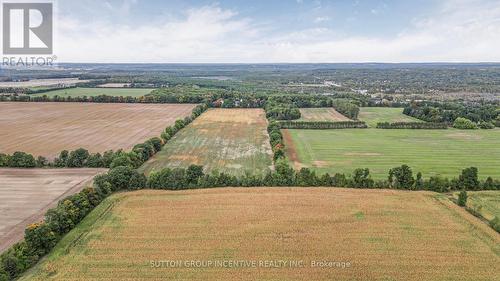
(277, 31)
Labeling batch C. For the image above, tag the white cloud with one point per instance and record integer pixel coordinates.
(460, 30)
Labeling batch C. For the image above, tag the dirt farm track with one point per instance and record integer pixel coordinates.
(45, 129)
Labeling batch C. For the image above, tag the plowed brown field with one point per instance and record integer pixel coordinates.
(25, 195)
(45, 129)
(276, 234)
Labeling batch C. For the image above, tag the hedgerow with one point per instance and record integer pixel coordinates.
(322, 124)
(411, 125)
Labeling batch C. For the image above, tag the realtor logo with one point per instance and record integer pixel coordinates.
(27, 28)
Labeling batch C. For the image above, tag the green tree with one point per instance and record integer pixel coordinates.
(468, 180)
(401, 177)
(77, 158)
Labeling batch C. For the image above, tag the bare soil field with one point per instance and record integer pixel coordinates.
(227, 140)
(321, 114)
(275, 234)
(42, 83)
(26, 194)
(45, 129)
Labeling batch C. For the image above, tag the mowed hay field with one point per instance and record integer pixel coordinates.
(25, 195)
(486, 203)
(374, 115)
(228, 140)
(432, 152)
(92, 92)
(45, 129)
(321, 114)
(382, 234)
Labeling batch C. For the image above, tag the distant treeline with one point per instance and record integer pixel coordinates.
(411, 125)
(322, 124)
(448, 112)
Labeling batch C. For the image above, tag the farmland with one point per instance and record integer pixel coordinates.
(41, 83)
(227, 140)
(45, 129)
(374, 115)
(486, 203)
(92, 92)
(432, 152)
(27, 193)
(372, 234)
(321, 114)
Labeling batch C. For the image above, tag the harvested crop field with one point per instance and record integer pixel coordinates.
(432, 152)
(92, 92)
(227, 140)
(45, 129)
(357, 234)
(25, 195)
(374, 115)
(321, 114)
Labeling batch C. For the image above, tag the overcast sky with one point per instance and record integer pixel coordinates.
(198, 31)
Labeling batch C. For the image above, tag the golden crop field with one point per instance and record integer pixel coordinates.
(275, 234)
(321, 114)
(234, 141)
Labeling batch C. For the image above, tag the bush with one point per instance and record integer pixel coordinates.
(462, 198)
(464, 124)
(4, 160)
(40, 239)
(495, 224)
(486, 125)
(123, 160)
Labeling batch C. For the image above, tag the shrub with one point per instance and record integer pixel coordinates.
(362, 179)
(464, 124)
(62, 159)
(40, 239)
(495, 224)
(123, 160)
(95, 161)
(4, 160)
(462, 198)
(486, 125)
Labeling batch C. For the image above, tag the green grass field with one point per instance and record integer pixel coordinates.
(374, 115)
(92, 92)
(487, 203)
(233, 141)
(432, 152)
